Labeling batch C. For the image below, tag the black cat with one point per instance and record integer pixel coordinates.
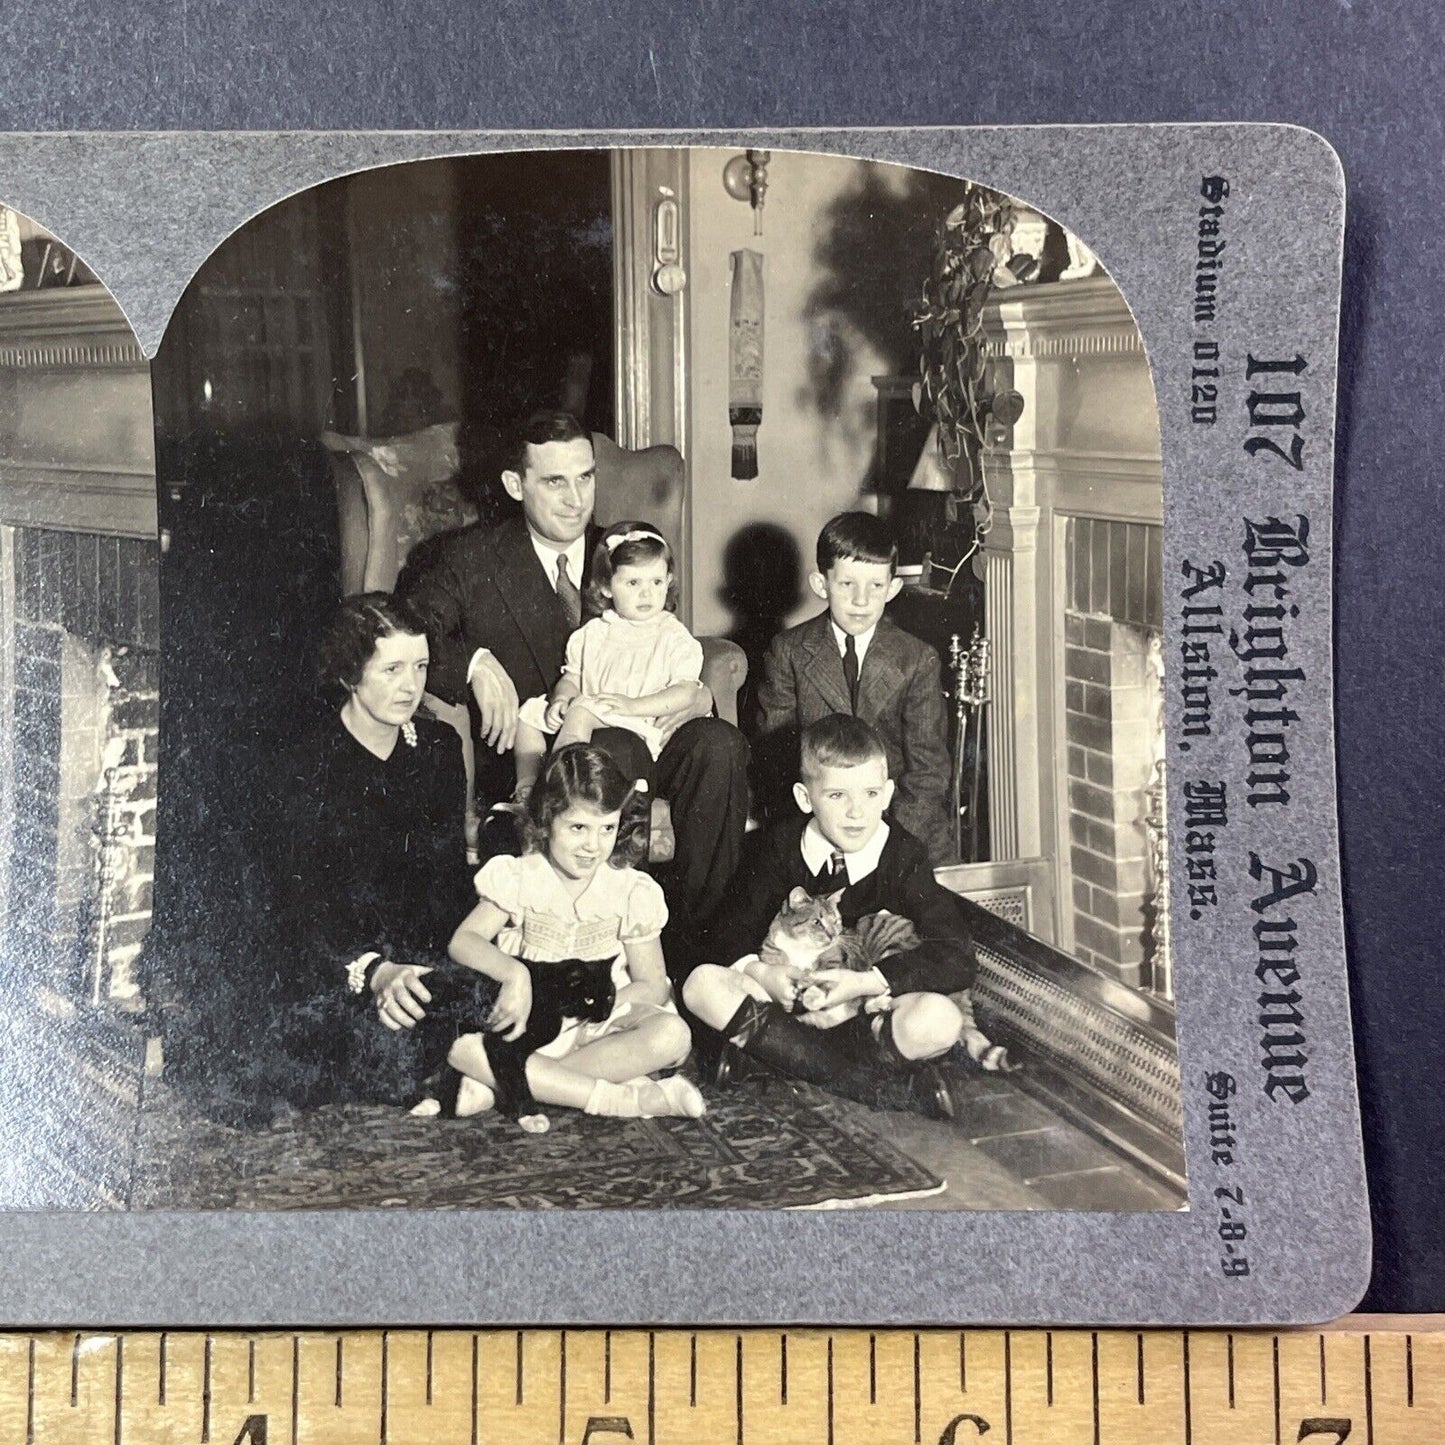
(573, 989)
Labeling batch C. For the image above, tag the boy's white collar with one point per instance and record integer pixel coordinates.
(817, 850)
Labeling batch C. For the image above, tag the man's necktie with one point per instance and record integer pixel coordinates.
(567, 591)
(850, 671)
(831, 878)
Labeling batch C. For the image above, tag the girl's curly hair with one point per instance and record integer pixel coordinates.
(580, 773)
(627, 544)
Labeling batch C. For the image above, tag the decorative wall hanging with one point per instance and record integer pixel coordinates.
(745, 362)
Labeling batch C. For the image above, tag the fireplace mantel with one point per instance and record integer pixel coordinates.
(77, 449)
(1086, 447)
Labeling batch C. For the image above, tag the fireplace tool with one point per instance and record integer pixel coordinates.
(969, 668)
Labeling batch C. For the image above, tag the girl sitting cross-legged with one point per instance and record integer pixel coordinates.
(571, 931)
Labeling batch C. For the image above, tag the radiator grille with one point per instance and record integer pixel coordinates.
(1008, 903)
(1023, 1007)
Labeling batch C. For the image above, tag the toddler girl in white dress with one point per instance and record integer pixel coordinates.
(633, 666)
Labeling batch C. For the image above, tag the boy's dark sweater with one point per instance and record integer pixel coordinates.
(903, 883)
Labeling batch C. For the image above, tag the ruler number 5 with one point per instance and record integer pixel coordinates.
(1337, 1430)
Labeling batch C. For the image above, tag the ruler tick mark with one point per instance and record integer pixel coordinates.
(1369, 1397)
(562, 1392)
(205, 1392)
(740, 1389)
(161, 1373)
(428, 1367)
(30, 1394)
(783, 1369)
(1188, 1396)
(295, 1389)
(519, 1367)
(962, 1363)
(692, 1372)
(1276, 1391)
(251, 1372)
(1139, 1367)
(651, 1387)
(872, 1370)
(1094, 1375)
(1409, 1371)
(1008, 1389)
(1229, 1354)
(476, 1400)
(917, 1394)
(74, 1370)
(338, 1371)
(385, 1361)
(1049, 1367)
(830, 1390)
(119, 1383)
(607, 1368)
(1324, 1390)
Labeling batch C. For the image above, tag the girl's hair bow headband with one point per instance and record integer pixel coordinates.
(613, 543)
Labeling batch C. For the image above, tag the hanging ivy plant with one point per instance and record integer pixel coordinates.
(974, 241)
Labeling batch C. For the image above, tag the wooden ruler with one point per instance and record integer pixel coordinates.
(1365, 1384)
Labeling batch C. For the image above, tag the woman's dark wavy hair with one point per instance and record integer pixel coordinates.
(580, 773)
(354, 631)
(651, 546)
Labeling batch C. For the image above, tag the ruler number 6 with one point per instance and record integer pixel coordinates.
(951, 1436)
(1338, 1431)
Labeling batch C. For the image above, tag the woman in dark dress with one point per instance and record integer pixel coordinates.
(374, 879)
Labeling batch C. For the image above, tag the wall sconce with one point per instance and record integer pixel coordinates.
(745, 178)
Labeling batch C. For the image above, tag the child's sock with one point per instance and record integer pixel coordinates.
(684, 1100)
(473, 1098)
(645, 1099)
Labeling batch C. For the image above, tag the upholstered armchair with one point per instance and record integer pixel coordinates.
(394, 492)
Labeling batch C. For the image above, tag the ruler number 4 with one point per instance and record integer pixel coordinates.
(598, 1425)
(252, 1432)
(1336, 1431)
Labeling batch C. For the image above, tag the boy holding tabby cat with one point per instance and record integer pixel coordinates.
(874, 1002)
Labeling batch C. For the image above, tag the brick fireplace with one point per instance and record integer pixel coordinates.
(1114, 735)
(1073, 582)
(79, 635)
(85, 700)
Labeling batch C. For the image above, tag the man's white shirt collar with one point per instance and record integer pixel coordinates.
(860, 642)
(818, 851)
(574, 552)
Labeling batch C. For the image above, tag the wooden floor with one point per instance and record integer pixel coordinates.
(1005, 1150)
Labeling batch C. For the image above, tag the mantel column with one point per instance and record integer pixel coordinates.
(1011, 609)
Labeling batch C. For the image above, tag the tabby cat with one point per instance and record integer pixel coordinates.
(808, 934)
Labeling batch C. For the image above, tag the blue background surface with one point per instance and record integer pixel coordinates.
(1369, 77)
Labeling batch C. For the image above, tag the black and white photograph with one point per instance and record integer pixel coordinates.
(591, 679)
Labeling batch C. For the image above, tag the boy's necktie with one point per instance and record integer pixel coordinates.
(832, 877)
(850, 671)
(567, 591)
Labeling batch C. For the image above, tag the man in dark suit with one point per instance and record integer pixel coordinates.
(501, 603)
(851, 659)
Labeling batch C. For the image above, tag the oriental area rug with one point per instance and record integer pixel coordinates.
(768, 1144)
